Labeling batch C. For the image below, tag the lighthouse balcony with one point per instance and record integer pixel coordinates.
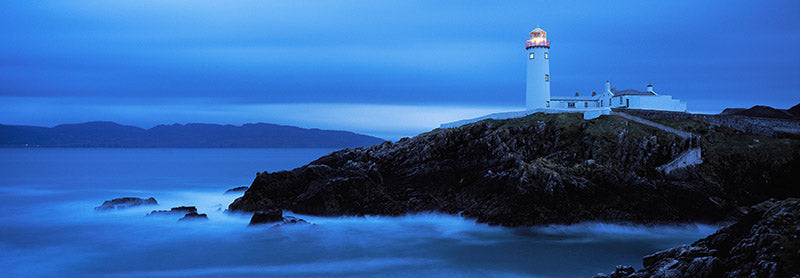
(529, 44)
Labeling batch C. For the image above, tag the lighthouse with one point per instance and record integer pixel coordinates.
(537, 92)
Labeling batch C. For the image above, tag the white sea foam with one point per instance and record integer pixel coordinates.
(52, 229)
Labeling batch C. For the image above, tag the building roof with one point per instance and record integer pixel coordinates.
(629, 92)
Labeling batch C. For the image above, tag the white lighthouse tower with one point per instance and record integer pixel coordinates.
(537, 92)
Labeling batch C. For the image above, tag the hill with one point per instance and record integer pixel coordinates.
(765, 112)
(110, 134)
(540, 169)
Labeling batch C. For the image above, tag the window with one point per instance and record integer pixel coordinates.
(609, 101)
(530, 56)
(547, 104)
(601, 103)
(620, 100)
(627, 103)
(546, 56)
(585, 104)
(570, 105)
(546, 78)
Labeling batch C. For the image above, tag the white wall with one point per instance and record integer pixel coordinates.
(578, 103)
(537, 91)
(663, 102)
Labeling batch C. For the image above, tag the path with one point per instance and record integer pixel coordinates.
(683, 134)
(690, 157)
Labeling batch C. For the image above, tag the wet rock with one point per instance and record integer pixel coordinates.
(239, 189)
(290, 220)
(194, 216)
(182, 210)
(763, 243)
(126, 202)
(622, 271)
(266, 217)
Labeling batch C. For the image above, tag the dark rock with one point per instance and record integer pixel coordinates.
(540, 169)
(265, 217)
(622, 271)
(126, 202)
(290, 220)
(763, 243)
(193, 216)
(182, 210)
(236, 189)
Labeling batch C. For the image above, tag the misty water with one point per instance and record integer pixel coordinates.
(48, 227)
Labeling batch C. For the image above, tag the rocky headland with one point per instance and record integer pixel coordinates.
(763, 243)
(542, 169)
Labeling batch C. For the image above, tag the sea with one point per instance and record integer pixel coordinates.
(49, 228)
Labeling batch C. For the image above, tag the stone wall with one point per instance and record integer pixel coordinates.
(756, 125)
(686, 159)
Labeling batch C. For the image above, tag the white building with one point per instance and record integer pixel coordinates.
(613, 98)
(538, 99)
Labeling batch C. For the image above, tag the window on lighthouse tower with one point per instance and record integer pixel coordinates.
(546, 78)
(530, 56)
(546, 56)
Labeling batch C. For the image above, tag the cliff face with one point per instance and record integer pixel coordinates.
(763, 243)
(539, 169)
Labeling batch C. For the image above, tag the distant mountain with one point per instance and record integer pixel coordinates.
(795, 110)
(110, 134)
(765, 112)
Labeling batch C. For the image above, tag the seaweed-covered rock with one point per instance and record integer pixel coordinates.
(126, 202)
(763, 243)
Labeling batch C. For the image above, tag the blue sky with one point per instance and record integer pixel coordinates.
(385, 68)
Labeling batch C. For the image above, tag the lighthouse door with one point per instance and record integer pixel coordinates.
(627, 103)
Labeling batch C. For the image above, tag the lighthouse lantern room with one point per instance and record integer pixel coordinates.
(537, 92)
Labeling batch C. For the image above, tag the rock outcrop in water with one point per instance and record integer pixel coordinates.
(194, 216)
(274, 216)
(182, 210)
(238, 189)
(540, 169)
(763, 243)
(266, 217)
(126, 202)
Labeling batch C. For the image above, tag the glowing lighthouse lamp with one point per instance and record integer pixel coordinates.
(537, 92)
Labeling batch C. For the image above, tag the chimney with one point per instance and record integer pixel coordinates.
(594, 93)
(608, 86)
(650, 88)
